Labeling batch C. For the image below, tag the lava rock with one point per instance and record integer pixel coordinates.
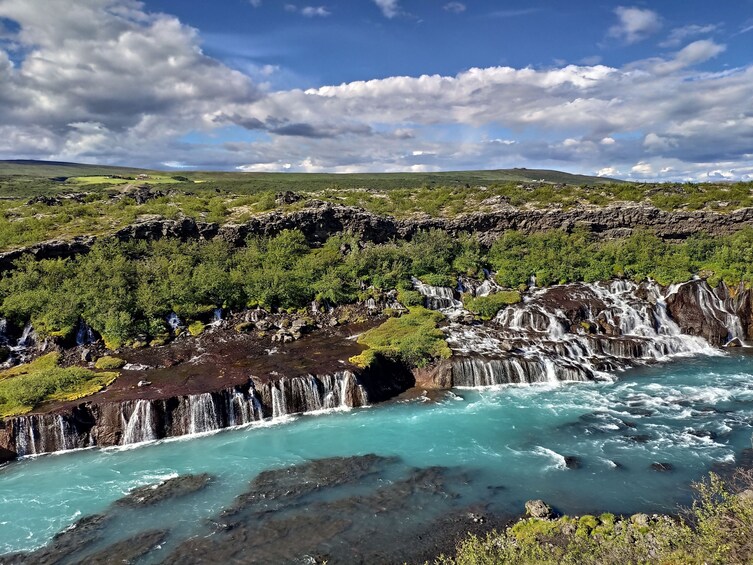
(539, 509)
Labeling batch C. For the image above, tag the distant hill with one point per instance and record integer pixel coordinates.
(53, 169)
(49, 169)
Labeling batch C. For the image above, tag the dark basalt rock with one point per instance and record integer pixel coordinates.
(572, 462)
(685, 308)
(662, 467)
(171, 488)
(70, 541)
(126, 551)
(319, 220)
(282, 523)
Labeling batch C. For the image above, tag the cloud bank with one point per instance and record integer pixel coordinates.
(107, 81)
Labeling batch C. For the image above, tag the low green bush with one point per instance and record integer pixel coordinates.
(108, 362)
(716, 530)
(413, 338)
(24, 387)
(487, 306)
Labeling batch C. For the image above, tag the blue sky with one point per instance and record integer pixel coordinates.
(643, 90)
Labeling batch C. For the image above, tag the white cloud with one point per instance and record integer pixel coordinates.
(255, 3)
(608, 172)
(679, 34)
(308, 11)
(98, 75)
(390, 8)
(635, 24)
(314, 11)
(454, 7)
(693, 54)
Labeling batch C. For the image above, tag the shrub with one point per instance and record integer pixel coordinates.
(488, 306)
(196, 328)
(413, 338)
(716, 530)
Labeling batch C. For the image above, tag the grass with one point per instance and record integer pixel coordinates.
(108, 362)
(99, 179)
(413, 338)
(25, 387)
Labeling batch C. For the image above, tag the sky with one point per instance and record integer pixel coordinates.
(659, 90)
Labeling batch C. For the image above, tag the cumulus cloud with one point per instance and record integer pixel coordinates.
(635, 24)
(454, 7)
(390, 8)
(97, 70)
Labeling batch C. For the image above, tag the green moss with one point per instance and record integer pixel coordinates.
(487, 306)
(25, 387)
(108, 362)
(196, 328)
(365, 359)
(414, 338)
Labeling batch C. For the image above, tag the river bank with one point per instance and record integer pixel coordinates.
(227, 377)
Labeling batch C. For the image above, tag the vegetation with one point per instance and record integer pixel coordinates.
(486, 307)
(558, 257)
(108, 362)
(24, 387)
(125, 291)
(99, 200)
(716, 530)
(413, 338)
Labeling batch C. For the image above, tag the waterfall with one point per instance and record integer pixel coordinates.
(437, 297)
(279, 404)
(579, 332)
(26, 442)
(174, 322)
(27, 337)
(202, 414)
(140, 425)
(84, 334)
(243, 408)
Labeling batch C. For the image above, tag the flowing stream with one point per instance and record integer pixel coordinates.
(579, 446)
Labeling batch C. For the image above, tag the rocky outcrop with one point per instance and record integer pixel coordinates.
(133, 421)
(319, 220)
(710, 313)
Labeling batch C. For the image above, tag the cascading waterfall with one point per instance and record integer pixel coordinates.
(437, 297)
(578, 332)
(137, 421)
(243, 408)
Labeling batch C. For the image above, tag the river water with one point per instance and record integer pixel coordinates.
(488, 450)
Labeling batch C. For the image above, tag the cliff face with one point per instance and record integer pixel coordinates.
(132, 421)
(320, 220)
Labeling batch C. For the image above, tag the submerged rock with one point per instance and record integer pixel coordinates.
(128, 550)
(662, 467)
(171, 488)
